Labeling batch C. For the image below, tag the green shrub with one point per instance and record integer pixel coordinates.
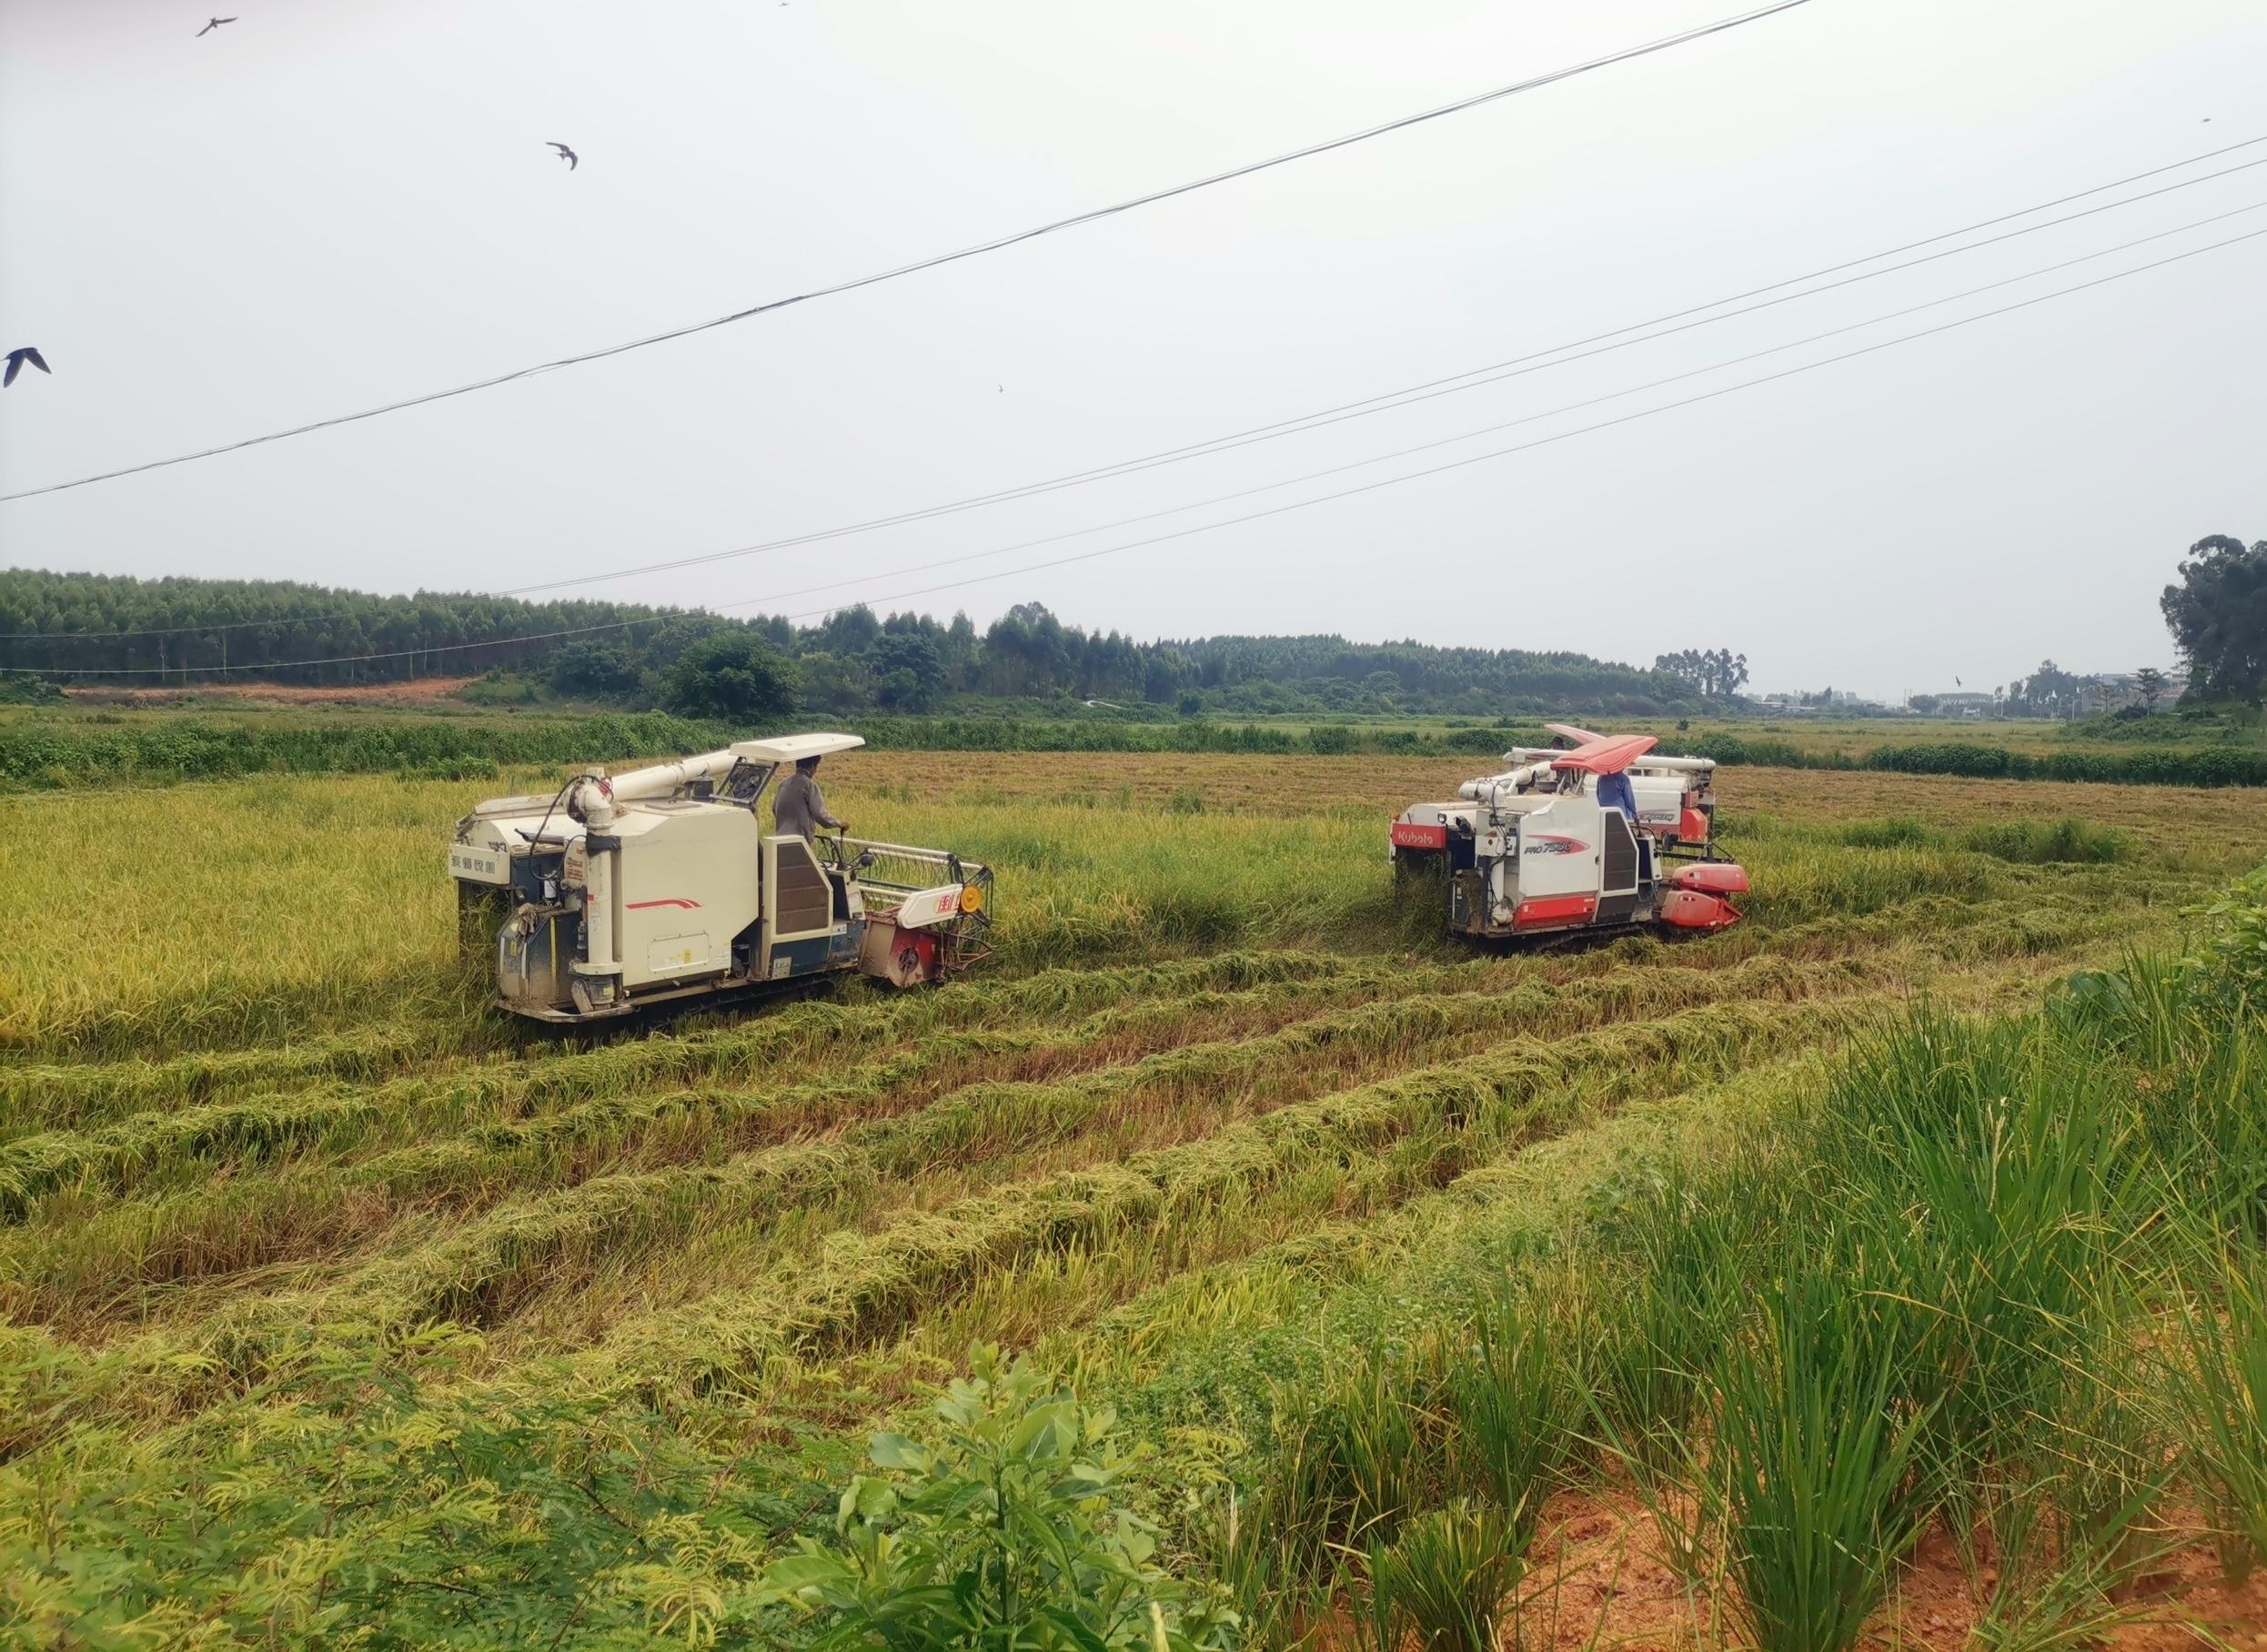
(150, 747)
(2067, 841)
(1010, 1531)
(2230, 965)
(1900, 832)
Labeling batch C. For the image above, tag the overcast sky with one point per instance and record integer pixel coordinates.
(326, 205)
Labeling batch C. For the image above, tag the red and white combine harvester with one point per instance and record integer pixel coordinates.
(1578, 839)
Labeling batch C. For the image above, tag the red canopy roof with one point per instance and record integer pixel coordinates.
(1610, 755)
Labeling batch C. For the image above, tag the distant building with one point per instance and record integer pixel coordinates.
(2107, 691)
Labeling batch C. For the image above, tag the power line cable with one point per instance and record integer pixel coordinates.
(1663, 43)
(1384, 401)
(1527, 447)
(1472, 379)
(1529, 419)
(1232, 522)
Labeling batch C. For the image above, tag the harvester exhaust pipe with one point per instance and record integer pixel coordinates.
(598, 976)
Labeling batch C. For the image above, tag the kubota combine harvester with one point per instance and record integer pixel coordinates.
(664, 884)
(1578, 841)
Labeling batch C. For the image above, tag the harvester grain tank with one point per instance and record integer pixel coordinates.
(1606, 837)
(666, 884)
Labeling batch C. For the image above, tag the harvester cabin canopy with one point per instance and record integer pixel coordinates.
(795, 747)
(1610, 754)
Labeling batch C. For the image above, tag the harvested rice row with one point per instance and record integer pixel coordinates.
(234, 1134)
(168, 1370)
(473, 1273)
(39, 1096)
(81, 1096)
(484, 1161)
(1159, 1213)
(89, 1257)
(1047, 1294)
(1522, 1199)
(1019, 1132)
(478, 1268)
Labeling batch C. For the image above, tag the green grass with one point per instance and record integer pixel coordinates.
(47, 748)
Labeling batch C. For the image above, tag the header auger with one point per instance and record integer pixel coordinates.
(664, 884)
(1578, 841)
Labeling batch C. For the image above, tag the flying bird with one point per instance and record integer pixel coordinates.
(214, 24)
(16, 358)
(568, 156)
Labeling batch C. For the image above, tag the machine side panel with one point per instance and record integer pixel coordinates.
(1560, 847)
(1661, 801)
(689, 884)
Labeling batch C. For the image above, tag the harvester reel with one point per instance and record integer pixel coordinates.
(971, 935)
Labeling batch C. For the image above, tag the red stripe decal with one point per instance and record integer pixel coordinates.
(638, 906)
(1556, 908)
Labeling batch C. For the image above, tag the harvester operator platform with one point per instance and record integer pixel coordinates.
(800, 808)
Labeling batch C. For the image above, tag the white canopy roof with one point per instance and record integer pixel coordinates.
(790, 748)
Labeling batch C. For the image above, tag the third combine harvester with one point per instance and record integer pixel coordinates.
(1578, 841)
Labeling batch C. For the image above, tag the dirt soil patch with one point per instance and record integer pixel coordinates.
(1598, 1579)
(419, 691)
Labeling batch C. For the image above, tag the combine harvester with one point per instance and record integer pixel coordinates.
(663, 885)
(1577, 841)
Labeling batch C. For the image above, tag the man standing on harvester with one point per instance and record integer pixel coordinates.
(800, 808)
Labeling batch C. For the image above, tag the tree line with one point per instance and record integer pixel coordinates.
(185, 632)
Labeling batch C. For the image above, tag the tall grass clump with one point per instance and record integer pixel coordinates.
(1513, 1402)
(2217, 1371)
(1668, 1297)
(1931, 1294)
(2075, 1514)
(1816, 1483)
(1443, 1581)
(1995, 1182)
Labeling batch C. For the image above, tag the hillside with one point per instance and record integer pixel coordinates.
(182, 631)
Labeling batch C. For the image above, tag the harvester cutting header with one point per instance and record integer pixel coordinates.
(627, 889)
(1578, 841)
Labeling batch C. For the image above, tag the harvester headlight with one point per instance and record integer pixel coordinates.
(972, 898)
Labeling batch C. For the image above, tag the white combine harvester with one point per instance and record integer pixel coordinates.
(1578, 841)
(664, 884)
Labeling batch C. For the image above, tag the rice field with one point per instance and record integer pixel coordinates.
(335, 1309)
